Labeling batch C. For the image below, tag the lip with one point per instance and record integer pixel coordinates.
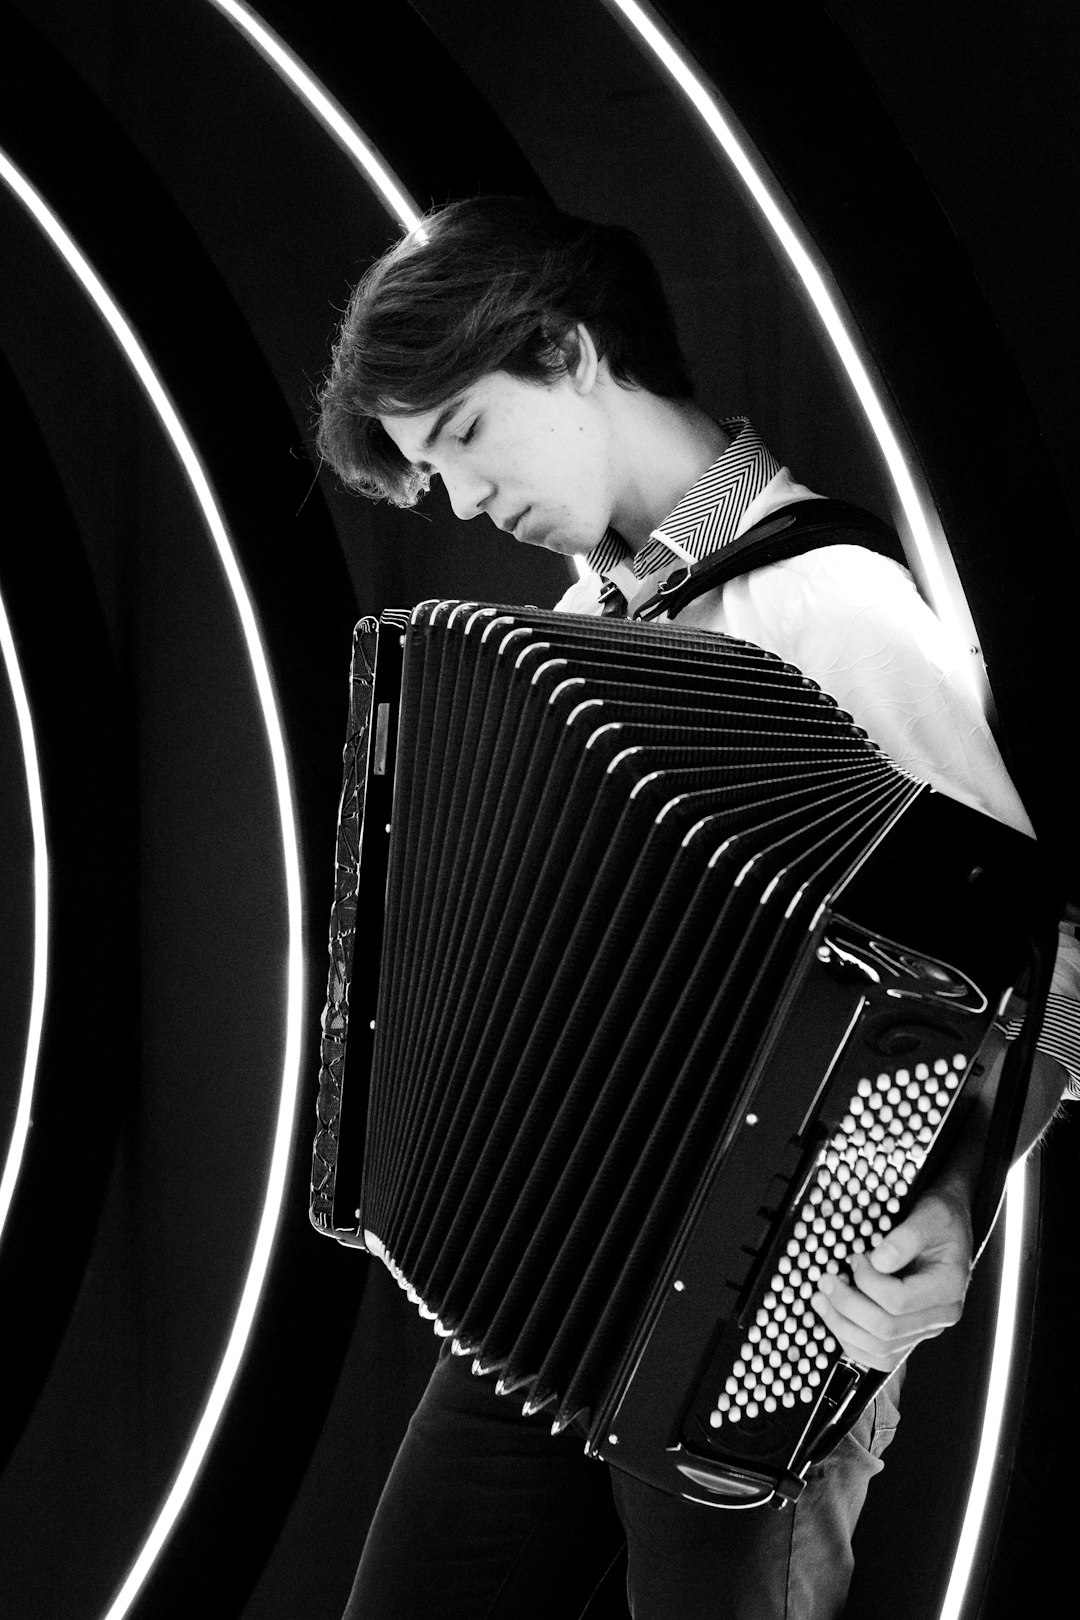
(513, 525)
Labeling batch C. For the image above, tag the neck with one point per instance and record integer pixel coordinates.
(663, 447)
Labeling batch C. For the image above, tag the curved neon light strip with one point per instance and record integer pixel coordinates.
(996, 1392)
(330, 113)
(949, 601)
(169, 418)
(936, 564)
(924, 528)
(401, 206)
(21, 1127)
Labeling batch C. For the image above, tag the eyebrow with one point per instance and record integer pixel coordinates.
(441, 420)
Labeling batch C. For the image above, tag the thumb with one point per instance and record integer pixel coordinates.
(897, 1250)
(934, 1227)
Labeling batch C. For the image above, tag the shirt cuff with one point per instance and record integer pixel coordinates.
(1060, 1037)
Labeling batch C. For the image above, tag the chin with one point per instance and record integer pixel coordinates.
(557, 540)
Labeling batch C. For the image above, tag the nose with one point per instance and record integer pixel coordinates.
(469, 493)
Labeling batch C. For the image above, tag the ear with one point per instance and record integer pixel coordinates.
(581, 358)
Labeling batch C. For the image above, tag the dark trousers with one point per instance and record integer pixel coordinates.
(486, 1517)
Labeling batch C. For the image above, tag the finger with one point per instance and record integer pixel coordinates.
(896, 1251)
(882, 1345)
(938, 1227)
(854, 1309)
(938, 1288)
(865, 1347)
(856, 1344)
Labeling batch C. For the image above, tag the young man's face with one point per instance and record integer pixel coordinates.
(533, 456)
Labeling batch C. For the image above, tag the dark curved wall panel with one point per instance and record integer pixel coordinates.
(85, 1062)
(191, 991)
(801, 93)
(230, 227)
(213, 246)
(198, 985)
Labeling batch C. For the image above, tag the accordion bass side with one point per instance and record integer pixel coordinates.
(664, 988)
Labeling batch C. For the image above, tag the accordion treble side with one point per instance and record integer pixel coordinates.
(662, 993)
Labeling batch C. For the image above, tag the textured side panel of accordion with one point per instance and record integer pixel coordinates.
(357, 765)
(670, 949)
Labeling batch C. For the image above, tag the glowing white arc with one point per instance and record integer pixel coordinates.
(996, 1393)
(136, 356)
(330, 113)
(948, 598)
(35, 1023)
(938, 570)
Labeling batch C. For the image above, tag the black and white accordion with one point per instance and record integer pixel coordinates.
(661, 984)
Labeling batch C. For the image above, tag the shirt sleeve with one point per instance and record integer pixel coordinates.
(854, 622)
(1060, 1036)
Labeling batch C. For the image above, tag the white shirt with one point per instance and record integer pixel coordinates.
(854, 622)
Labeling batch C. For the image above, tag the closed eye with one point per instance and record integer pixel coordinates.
(466, 437)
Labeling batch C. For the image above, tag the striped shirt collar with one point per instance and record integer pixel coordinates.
(707, 516)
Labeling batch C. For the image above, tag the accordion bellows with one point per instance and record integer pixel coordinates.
(665, 982)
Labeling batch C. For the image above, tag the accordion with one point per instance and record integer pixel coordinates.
(661, 984)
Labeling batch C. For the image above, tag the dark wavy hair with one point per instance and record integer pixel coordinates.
(489, 284)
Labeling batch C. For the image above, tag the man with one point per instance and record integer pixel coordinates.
(529, 361)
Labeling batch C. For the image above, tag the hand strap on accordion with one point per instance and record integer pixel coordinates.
(335, 1018)
(1003, 1131)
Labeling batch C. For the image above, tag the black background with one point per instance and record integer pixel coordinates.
(932, 150)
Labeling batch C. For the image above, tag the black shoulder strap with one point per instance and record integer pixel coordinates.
(803, 526)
